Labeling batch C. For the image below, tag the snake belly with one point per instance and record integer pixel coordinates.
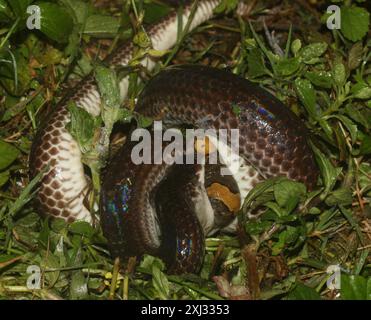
(135, 200)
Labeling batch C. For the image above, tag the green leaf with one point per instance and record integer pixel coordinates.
(354, 287)
(363, 93)
(255, 63)
(8, 154)
(4, 177)
(50, 261)
(78, 286)
(257, 227)
(286, 67)
(5, 12)
(82, 228)
(312, 52)
(349, 124)
(286, 237)
(307, 95)
(341, 196)
(80, 9)
(108, 86)
(357, 115)
(154, 12)
(328, 171)
(160, 283)
(82, 127)
(287, 194)
(365, 145)
(257, 191)
(143, 122)
(296, 46)
(355, 56)
(19, 7)
(148, 261)
(56, 23)
(322, 79)
(303, 292)
(339, 74)
(354, 22)
(101, 26)
(142, 40)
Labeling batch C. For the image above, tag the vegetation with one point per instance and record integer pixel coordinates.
(323, 75)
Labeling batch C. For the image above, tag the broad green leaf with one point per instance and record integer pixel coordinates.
(365, 145)
(357, 114)
(160, 283)
(8, 154)
(255, 228)
(354, 22)
(341, 196)
(82, 127)
(82, 228)
(4, 177)
(50, 261)
(80, 9)
(255, 63)
(303, 292)
(363, 93)
(5, 11)
(286, 237)
(287, 194)
(286, 67)
(312, 52)
(322, 79)
(78, 286)
(307, 95)
(58, 224)
(339, 74)
(154, 12)
(328, 171)
(350, 126)
(56, 23)
(355, 55)
(19, 7)
(296, 46)
(257, 191)
(101, 26)
(148, 261)
(108, 86)
(353, 287)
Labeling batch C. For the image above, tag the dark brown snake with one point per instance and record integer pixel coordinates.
(164, 209)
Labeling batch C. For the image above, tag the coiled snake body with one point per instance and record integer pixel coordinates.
(164, 209)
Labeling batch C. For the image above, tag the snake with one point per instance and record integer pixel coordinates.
(167, 209)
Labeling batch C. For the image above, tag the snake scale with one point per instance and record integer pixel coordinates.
(164, 209)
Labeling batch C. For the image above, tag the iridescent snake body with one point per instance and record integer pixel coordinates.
(164, 209)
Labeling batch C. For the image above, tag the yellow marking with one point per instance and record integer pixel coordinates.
(222, 193)
(204, 145)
